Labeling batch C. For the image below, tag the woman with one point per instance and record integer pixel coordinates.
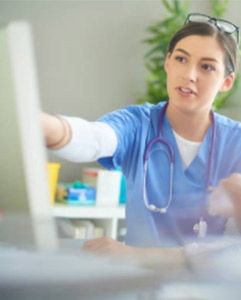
(164, 207)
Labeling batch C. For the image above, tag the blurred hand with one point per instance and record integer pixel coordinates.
(220, 203)
(108, 246)
(232, 185)
(225, 199)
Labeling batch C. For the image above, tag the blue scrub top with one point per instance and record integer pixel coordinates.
(135, 126)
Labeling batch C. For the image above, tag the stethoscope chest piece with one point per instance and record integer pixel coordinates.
(201, 228)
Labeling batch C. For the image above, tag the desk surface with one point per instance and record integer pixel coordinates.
(67, 276)
(79, 275)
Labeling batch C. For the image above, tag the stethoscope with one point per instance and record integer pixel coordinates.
(201, 227)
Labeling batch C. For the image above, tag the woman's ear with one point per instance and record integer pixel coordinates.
(228, 83)
(167, 61)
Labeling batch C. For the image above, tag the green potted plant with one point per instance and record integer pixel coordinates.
(158, 41)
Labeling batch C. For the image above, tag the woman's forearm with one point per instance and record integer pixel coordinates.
(156, 258)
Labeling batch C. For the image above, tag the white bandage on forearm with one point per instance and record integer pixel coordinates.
(90, 141)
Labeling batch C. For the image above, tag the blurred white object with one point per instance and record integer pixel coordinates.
(107, 184)
(65, 228)
(201, 228)
(98, 232)
(80, 232)
(79, 229)
(83, 229)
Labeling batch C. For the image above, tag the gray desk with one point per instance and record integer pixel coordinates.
(78, 275)
(28, 275)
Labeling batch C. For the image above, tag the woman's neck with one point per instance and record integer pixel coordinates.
(189, 125)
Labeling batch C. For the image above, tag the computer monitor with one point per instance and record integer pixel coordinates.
(25, 210)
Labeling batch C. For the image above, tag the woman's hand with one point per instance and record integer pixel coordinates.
(225, 199)
(220, 203)
(232, 185)
(56, 131)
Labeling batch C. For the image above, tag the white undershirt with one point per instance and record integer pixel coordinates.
(93, 140)
(187, 149)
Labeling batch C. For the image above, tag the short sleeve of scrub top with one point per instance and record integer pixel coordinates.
(127, 124)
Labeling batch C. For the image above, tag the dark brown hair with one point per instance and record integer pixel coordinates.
(226, 41)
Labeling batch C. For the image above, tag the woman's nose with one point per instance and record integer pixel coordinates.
(191, 73)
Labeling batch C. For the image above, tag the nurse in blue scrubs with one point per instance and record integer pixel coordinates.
(198, 66)
(171, 153)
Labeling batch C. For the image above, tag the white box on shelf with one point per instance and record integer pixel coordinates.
(107, 184)
(84, 229)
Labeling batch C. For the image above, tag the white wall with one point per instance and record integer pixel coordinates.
(90, 55)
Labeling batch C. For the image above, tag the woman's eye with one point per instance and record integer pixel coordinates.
(208, 67)
(180, 58)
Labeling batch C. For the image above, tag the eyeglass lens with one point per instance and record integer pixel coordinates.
(222, 24)
(227, 27)
(198, 18)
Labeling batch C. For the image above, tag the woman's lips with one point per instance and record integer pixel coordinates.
(184, 91)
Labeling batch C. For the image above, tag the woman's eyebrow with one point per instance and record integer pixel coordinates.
(203, 58)
(183, 51)
(209, 59)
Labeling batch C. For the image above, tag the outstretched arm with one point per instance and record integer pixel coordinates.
(147, 257)
(78, 140)
(170, 257)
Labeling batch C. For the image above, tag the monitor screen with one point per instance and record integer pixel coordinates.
(24, 196)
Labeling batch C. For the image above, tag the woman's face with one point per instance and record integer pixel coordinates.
(196, 73)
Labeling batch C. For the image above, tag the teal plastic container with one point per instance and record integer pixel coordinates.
(122, 199)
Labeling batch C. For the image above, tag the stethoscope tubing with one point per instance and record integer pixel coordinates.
(160, 139)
